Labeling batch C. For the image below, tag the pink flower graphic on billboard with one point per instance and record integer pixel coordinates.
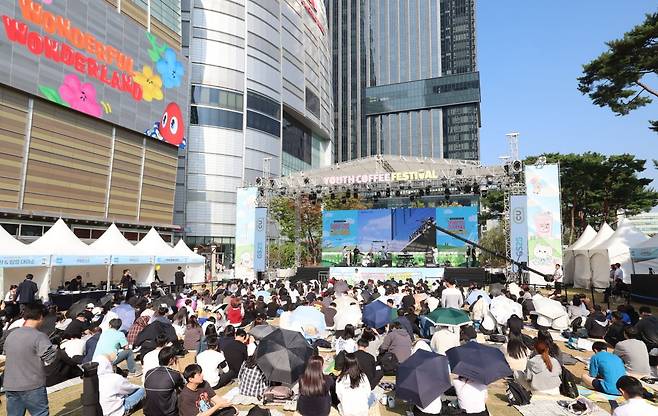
(79, 96)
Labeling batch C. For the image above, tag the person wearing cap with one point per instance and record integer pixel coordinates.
(77, 327)
(89, 311)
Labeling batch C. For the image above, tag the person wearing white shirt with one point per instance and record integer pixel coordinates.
(211, 361)
(444, 339)
(116, 395)
(632, 390)
(434, 408)
(472, 396)
(151, 360)
(353, 389)
(74, 346)
(451, 297)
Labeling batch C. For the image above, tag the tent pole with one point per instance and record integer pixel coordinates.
(109, 277)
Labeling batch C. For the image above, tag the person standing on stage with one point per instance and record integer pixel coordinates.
(346, 255)
(127, 284)
(557, 280)
(179, 279)
(27, 291)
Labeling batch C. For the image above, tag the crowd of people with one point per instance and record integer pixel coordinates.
(138, 345)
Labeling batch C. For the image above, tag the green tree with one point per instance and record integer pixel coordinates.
(282, 210)
(618, 77)
(492, 206)
(493, 239)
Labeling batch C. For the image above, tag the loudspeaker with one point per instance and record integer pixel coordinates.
(465, 274)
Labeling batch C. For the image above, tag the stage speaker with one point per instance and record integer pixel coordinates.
(466, 274)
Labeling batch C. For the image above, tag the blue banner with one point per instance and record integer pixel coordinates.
(259, 239)
(24, 261)
(80, 260)
(171, 260)
(132, 260)
(518, 229)
(462, 221)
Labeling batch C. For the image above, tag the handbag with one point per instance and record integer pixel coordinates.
(277, 394)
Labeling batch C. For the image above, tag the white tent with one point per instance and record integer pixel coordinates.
(166, 258)
(569, 260)
(122, 252)
(582, 276)
(68, 255)
(16, 260)
(196, 263)
(645, 255)
(616, 249)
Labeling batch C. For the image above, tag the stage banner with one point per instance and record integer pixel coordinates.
(518, 221)
(259, 239)
(245, 231)
(462, 221)
(544, 219)
(354, 275)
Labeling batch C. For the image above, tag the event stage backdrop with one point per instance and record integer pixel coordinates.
(86, 56)
(397, 230)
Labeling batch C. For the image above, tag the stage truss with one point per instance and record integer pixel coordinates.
(446, 179)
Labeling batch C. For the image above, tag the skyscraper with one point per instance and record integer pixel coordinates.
(405, 78)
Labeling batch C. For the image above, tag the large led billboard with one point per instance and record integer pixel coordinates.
(87, 56)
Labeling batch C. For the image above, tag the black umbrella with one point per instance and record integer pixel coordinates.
(478, 362)
(261, 331)
(78, 307)
(167, 300)
(282, 355)
(106, 300)
(422, 378)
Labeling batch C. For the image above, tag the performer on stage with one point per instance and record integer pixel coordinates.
(346, 255)
(383, 256)
(355, 256)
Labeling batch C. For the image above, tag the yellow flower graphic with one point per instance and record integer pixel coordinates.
(151, 84)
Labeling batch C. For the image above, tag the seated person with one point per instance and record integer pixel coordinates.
(596, 323)
(615, 331)
(212, 362)
(543, 371)
(444, 339)
(198, 399)
(77, 327)
(397, 342)
(252, 380)
(633, 353)
(235, 352)
(604, 370)
(368, 363)
(63, 368)
(471, 396)
(162, 385)
(116, 395)
(635, 405)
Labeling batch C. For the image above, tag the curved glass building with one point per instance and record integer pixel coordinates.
(261, 102)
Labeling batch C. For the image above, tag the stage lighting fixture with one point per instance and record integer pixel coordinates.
(397, 192)
(411, 198)
(307, 181)
(421, 193)
(467, 189)
(272, 182)
(490, 179)
(356, 195)
(343, 201)
(476, 188)
(388, 192)
(312, 196)
(378, 194)
(428, 190)
(348, 194)
(332, 196)
(258, 181)
(459, 171)
(261, 191)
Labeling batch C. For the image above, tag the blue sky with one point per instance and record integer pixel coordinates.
(530, 54)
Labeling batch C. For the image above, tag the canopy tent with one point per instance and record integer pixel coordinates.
(68, 254)
(582, 277)
(16, 260)
(569, 261)
(616, 249)
(196, 263)
(166, 258)
(645, 256)
(122, 252)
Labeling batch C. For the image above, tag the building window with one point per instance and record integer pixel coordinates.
(204, 116)
(215, 97)
(12, 229)
(263, 105)
(31, 230)
(263, 123)
(297, 139)
(84, 233)
(312, 103)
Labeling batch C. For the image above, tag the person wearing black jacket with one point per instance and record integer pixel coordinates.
(596, 323)
(408, 300)
(27, 291)
(76, 327)
(235, 352)
(647, 328)
(615, 331)
(162, 385)
(63, 368)
(367, 363)
(147, 338)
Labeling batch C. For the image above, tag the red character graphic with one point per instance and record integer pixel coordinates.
(170, 128)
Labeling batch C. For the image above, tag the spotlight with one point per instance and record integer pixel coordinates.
(307, 181)
(258, 180)
(459, 171)
(476, 189)
(397, 192)
(261, 191)
(356, 195)
(343, 201)
(467, 189)
(272, 182)
(378, 194)
(421, 193)
(388, 192)
(332, 196)
(348, 194)
(428, 190)
(411, 198)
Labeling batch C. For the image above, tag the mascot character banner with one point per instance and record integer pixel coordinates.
(544, 219)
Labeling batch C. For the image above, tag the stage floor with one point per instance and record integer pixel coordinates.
(356, 274)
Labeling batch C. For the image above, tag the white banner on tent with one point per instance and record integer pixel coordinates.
(519, 229)
(24, 261)
(80, 261)
(354, 275)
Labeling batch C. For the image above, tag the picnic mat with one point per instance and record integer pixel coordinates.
(597, 396)
(551, 408)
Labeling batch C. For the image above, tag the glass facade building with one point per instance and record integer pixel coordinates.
(405, 78)
(260, 101)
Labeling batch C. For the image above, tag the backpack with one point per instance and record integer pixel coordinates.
(516, 394)
(568, 386)
(389, 363)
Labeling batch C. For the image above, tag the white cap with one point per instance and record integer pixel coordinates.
(97, 310)
(90, 306)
